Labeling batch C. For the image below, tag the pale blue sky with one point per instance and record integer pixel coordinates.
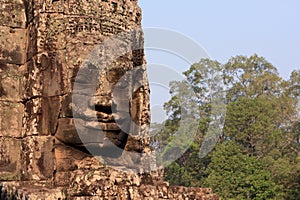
(270, 28)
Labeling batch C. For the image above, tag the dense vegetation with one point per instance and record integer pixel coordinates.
(257, 153)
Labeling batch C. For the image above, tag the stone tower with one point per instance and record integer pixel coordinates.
(43, 46)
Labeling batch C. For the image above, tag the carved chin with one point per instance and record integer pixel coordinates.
(95, 130)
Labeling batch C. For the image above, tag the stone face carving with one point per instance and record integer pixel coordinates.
(51, 115)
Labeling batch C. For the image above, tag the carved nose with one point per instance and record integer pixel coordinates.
(101, 104)
(104, 108)
(98, 108)
(107, 110)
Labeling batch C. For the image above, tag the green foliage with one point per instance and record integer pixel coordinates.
(294, 84)
(251, 77)
(254, 124)
(189, 170)
(234, 175)
(286, 173)
(258, 155)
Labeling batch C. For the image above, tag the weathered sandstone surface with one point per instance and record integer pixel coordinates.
(47, 120)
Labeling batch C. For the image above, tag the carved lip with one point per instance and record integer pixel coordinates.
(102, 126)
(93, 115)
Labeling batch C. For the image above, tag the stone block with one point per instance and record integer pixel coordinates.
(81, 7)
(32, 82)
(88, 198)
(73, 165)
(149, 191)
(79, 27)
(44, 77)
(134, 143)
(50, 32)
(89, 183)
(67, 157)
(32, 38)
(78, 132)
(51, 6)
(77, 168)
(67, 131)
(10, 157)
(11, 116)
(52, 76)
(32, 117)
(26, 190)
(62, 179)
(46, 33)
(11, 82)
(12, 13)
(36, 7)
(47, 77)
(66, 107)
(38, 158)
(49, 115)
(13, 45)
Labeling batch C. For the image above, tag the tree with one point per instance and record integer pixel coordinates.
(262, 117)
(261, 135)
(234, 175)
(206, 81)
(294, 83)
(251, 77)
(254, 125)
(189, 169)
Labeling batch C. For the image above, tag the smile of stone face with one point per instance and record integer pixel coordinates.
(100, 123)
